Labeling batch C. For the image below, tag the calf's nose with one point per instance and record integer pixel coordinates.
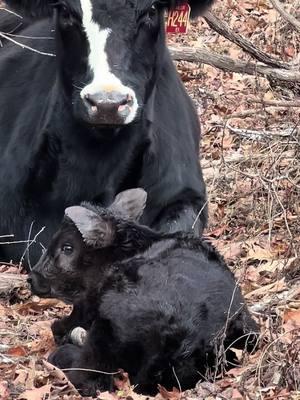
(109, 107)
(38, 284)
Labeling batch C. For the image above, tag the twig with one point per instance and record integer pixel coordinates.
(177, 380)
(14, 242)
(288, 17)
(264, 353)
(246, 113)
(199, 214)
(6, 360)
(90, 370)
(30, 242)
(283, 211)
(30, 37)
(223, 29)
(11, 12)
(24, 46)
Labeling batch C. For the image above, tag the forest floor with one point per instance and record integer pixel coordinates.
(250, 156)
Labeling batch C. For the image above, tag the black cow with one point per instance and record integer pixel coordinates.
(156, 305)
(108, 113)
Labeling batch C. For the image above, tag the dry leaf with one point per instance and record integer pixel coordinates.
(271, 288)
(238, 371)
(59, 375)
(4, 391)
(293, 317)
(39, 305)
(236, 395)
(36, 394)
(122, 384)
(18, 351)
(107, 396)
(175, 394)
(257, 251)
(21, 378)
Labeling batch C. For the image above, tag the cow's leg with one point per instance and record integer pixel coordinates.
(183, 217)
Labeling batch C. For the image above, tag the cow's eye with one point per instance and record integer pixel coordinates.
(153, 10)
(67, 249)
(66, 18)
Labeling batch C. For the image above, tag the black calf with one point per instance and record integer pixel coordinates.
(156, 305)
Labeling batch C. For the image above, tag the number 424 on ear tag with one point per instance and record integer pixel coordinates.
(178, 19)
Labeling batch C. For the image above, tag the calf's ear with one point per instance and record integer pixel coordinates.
(197, 6)
(32, 8)
(95, 231)
(130, 204)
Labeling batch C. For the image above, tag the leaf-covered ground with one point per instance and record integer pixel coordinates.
(250, 157)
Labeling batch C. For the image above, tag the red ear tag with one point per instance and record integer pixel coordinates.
(178, 19)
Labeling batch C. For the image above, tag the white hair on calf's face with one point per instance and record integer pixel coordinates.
(103, 79)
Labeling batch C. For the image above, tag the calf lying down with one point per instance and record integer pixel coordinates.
(159, 306)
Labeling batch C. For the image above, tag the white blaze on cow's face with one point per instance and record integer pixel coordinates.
(103, 80)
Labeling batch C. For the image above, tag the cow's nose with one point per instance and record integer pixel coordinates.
(109, 107)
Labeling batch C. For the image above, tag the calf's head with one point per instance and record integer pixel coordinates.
(109, 52)
(85, 246)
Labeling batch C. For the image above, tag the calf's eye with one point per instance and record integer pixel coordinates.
(67, 249)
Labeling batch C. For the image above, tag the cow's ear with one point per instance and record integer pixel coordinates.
(130, 204)
(197, 6)
(32, 8)
(96, 231)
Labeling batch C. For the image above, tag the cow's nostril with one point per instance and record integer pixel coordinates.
(29, 280)
(129, 100)
(91, 101)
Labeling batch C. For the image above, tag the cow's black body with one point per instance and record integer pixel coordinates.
(50, 160)
(159, 306)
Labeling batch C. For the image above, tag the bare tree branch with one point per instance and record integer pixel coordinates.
(223, 29)
(288, 17)
(226, 63)
(10, 282)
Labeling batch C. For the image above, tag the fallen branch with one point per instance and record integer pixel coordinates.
(259, 135)
(226, 63)
(10, 283)
(223, 29)
(275, 103)
(278, 299)
(288, 17)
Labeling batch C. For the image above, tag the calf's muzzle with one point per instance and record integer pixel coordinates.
(39, 284)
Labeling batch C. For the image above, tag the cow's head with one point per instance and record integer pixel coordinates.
(110, 52)
(89, 240)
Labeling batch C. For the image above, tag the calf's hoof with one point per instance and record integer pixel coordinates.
(78, 336)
